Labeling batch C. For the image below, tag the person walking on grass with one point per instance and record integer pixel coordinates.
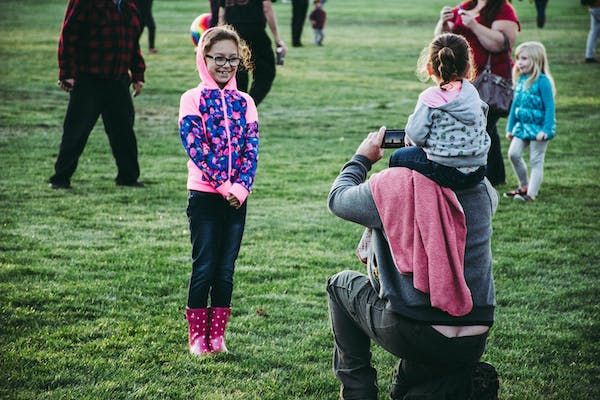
(148, 21)
(317, 18)
(531, 122)
(249, 18)
(594, 33)
(99, 58)
(218, 125)
(446, 131)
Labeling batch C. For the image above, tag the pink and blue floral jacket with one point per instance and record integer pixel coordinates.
(219, 131)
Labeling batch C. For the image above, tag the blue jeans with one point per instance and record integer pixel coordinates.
(216, 231)
(415, 158)
(358, 316)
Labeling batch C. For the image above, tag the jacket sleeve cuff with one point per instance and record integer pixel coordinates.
(224, 189)
(239, 191)
(137, 77)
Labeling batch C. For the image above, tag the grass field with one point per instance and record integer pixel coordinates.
(93, 281)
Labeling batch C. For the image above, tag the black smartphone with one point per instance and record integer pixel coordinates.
(393, 138)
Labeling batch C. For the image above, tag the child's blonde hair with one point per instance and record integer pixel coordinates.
(450, 58)
(537, 53)
(227, 32)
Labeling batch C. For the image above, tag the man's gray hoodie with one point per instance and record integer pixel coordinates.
(452, 134)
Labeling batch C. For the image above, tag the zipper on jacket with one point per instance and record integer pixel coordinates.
(228, 132)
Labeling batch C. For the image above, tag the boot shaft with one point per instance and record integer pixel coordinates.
(198, 327)
(218, 324)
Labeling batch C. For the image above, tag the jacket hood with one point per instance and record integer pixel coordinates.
(467, 106)
(207, 80)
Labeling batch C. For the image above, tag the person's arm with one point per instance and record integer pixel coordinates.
(419, 124)
(510, 123)
(196, 143)
(221, 16)
(491, 38)
(272, 22)
(350, 196)
(70, 36)
(138, 66)
(444, 23)
(249, 156)
(549, 126)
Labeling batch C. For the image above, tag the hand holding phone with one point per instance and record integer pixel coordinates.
(393, 138)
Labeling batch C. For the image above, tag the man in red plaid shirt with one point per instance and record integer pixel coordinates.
(99, 57)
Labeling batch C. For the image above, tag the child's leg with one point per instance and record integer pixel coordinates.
(536, 161)
(231, 238)
(515, 155)
(205, 231)
(413, 158)
(456, 180)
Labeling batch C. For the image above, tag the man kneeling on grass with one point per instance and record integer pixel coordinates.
(429, 294)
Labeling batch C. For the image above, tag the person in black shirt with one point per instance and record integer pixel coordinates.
(249, 18)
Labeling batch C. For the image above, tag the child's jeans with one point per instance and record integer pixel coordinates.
(319, 36)
(216, 231)
(415, 158)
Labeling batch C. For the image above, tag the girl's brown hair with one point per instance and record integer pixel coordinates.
(227, 32)
(450, 58)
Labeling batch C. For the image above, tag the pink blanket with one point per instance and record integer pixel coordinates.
(425, 227)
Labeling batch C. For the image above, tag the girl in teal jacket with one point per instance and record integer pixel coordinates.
(531, 122)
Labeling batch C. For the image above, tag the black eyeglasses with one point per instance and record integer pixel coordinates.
(221, 61)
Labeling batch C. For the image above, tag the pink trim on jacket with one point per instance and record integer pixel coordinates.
(425, 227)
(436, 96)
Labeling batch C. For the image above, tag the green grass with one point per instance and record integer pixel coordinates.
(93, 281)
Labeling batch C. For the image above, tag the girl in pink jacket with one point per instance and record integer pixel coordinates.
(218, 126)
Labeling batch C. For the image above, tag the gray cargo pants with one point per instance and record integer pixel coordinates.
(358, 316)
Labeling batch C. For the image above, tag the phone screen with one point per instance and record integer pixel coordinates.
(393, 138)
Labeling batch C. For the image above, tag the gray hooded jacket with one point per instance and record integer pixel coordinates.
(452, 134)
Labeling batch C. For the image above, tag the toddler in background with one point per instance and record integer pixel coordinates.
(317, 18)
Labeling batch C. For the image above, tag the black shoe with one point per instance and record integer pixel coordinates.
(296, 44)
(591, 60)
(485, 382)
(540, 22)
(136, 184)
(59, 185)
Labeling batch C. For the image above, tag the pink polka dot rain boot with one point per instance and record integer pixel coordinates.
(198, 321)
(218, 324)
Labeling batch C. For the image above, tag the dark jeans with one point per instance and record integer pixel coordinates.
(216, 231)
(495, 163)
(540, 8)
(415, 158)
(299, 11)
(148, 20)
(263, 59)
(90, 98)
(358, 316)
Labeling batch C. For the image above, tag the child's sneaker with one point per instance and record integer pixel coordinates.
(523, 198)
(517, 191)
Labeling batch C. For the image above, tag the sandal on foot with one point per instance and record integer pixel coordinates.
(523, 198)
(517, 191)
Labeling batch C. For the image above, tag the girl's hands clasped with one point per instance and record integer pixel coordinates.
(233, 201)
